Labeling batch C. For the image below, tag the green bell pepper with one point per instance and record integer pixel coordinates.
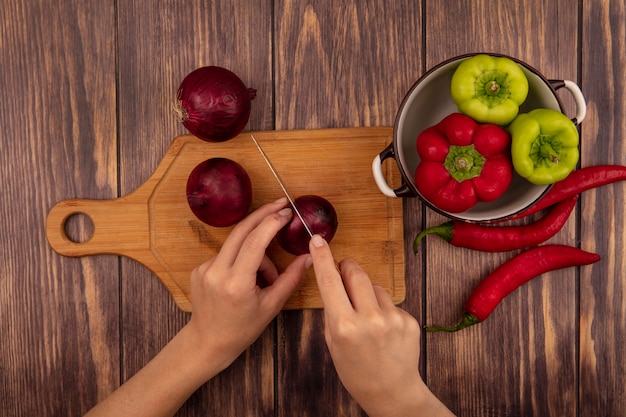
(489, 89)
(544, 146)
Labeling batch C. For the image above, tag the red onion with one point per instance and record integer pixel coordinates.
(214, 104)
(318, 214)
(219, 192)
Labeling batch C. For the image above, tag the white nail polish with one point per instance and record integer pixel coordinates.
(285, 212)
(281, 201)
(317, 241)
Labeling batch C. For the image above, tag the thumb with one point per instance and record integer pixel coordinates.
(277, 294)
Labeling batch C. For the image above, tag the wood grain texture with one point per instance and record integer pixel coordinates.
(59, 316)
(602, 288)
(88, 88)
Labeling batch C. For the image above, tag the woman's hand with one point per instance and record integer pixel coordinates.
(375, 346)
(229, 309)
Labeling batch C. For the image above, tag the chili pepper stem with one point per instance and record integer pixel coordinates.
(444, 231)
(467, 321)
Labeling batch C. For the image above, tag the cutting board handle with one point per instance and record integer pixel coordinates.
(118, 227)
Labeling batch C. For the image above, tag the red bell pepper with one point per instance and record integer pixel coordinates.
(463, 162)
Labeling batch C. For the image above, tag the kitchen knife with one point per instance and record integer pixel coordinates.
(280, 182)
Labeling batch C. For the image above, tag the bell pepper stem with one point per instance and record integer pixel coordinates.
(467, 321)
(464, 162)
(444, 231)
(493, 87)
(548, 152)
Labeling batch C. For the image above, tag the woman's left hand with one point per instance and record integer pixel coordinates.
(229, 309)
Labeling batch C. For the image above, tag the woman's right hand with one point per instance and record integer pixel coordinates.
(374, 345)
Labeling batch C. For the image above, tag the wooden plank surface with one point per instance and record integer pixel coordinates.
(602, 363)
(88, 88)
(59, 317)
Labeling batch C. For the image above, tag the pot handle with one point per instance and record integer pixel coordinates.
(577, 94)
(379, 177)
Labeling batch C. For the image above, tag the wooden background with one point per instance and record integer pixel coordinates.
(87, 88)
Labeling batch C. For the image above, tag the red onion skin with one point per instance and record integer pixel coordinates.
(321, 217)
(219, 192)
(214, 104)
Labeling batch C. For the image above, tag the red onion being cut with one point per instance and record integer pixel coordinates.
(219, 192)
(319, 214)
(214, 104)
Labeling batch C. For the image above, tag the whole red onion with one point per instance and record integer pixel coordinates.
(319, 214)
(219, 192)
(214, 104)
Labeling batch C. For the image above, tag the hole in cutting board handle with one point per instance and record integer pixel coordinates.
(78, 227)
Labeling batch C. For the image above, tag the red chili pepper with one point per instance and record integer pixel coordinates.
(502, 238)
(575, 183)
(511, 275)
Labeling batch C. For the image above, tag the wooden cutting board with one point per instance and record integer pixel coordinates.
(154, 225)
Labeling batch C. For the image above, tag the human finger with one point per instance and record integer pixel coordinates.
(328, 279)
(277, 294)
(230, 249)
(387, 305)
(358, 286)
(383, 298)
(268, 270)
(201, 269)
(253, 247)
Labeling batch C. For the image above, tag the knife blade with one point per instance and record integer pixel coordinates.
(282, 185)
